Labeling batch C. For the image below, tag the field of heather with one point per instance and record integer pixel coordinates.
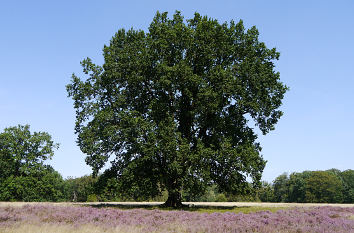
(69, 218)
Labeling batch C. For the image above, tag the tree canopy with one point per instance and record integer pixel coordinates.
(173, 106)
(21, 151)
(23, 175)
(323, 186)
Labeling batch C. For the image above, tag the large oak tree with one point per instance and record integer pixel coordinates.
(173, 105)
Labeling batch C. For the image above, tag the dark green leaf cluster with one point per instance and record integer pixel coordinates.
(172, 105)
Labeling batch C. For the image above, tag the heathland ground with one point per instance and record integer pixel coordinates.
(21, 217)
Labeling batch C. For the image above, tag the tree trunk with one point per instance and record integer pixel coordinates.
(174, 200)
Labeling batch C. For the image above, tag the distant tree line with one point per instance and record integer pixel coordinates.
(330, 186)
(25, 177)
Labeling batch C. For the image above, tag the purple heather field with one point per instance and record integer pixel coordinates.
(315, 219)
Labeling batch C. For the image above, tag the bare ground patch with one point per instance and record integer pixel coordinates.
(192, 204)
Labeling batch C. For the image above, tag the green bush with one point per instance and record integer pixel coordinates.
(91, 198)
(221, 198)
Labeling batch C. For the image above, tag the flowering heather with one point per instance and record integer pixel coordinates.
(317, 219)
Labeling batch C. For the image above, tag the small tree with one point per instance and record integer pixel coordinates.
(173, 104)
(23, 175)
(21, 151)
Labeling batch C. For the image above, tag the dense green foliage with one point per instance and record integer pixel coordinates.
(323, 187)
(280, 188)
(266, 192)
(22, 152)
(331, 186)
(79, 189)
(347, 177)
(23, 176)
(172, 106)
(42, 183)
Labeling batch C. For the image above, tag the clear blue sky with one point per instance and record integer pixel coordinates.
(42, 43)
